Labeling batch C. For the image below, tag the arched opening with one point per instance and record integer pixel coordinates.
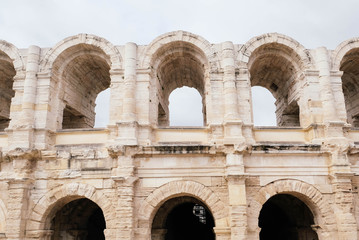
(82, 72)
(285, 217)
(80, 219)
(185, 107)
(7, 73)
(176, 65)
(274, 67)
(263, 105)
(350, 82)
(183, 218)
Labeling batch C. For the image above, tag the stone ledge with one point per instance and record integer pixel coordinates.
(178, 149)
(294, 147)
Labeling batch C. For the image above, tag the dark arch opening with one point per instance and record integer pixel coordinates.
(183, 218)
(275, 67)
(80, 219)
(285, 217)
(350, 83)
(7, 73)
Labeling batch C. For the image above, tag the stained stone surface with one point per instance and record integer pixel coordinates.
(141, 179)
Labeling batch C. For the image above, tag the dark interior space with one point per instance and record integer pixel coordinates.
(285, 217)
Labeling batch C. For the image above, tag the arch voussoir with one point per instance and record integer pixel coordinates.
(181, 188)
(304, 191)
(110, 50)
(248, 48)
(61, 196)
(341, 50)
(179, 36)
(14, 54)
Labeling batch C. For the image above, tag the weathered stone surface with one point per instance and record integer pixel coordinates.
(57, 172)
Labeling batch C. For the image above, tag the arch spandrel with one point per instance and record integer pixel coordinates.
(183, 188)
(179, 36)
(13, 53)
(58, 197)
(342, 49)
(254, 43)
(108, 48)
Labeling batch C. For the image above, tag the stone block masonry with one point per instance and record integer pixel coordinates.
(140, 178)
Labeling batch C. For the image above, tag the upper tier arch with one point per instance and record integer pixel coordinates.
(303, 56)
(180, 36)
(342, 49)
(108, 48)
(13, 53)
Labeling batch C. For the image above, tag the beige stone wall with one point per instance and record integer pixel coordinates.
(51, 157)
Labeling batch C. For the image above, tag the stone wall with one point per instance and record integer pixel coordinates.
(60, 178)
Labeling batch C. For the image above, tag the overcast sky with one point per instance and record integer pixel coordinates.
(313, 23)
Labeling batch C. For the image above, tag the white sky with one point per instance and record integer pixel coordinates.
(313, 23)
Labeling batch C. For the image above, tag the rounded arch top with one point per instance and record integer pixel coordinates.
(296, 187)
(307, 193)
(341, 50)
(108, 48)
(13, 53)
(183, 188)
(180, 36)
(56, 198)
(254, 43)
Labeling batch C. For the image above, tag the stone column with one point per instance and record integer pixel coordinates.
(331, 89)
(24, 136)
(129, 104)
(30, 84)
(244, 94)
(47, 109)
(128, 126)
(232, 123)
(237, 196)
(326, 92)
(230, 93)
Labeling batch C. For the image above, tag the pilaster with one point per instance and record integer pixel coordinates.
(17, 208)
(237, 195)
(344, 205)
(125, 180)
(19, 190)
(232, 123)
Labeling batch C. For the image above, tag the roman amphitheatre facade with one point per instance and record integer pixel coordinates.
(140, 178)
